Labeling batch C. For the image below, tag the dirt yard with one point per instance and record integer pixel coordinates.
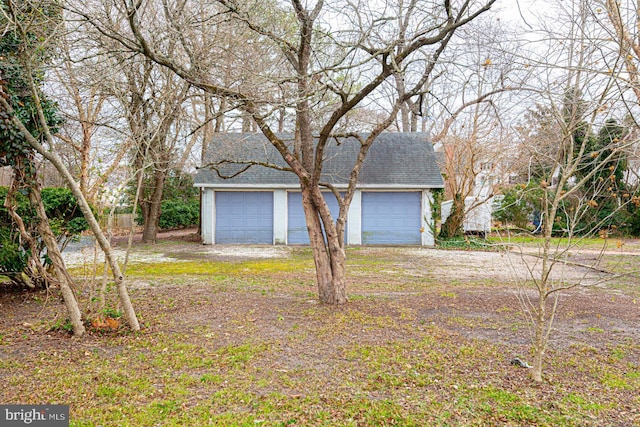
(426, 339)
(601, 300)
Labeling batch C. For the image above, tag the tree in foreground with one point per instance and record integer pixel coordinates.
(36, 115)
(325, 61)
(22, 254)
(27, 127)
(570, 170)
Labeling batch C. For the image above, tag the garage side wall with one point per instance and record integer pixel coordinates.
(428, 239)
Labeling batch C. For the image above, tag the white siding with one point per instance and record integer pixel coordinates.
(208, 216)
(354, 219)
(427, 220)
(280, 217)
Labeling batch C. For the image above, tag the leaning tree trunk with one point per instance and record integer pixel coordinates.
(33, 274)
(123, 293)
(56, 161)
(329, 257)
(62, 275)
(36, 267)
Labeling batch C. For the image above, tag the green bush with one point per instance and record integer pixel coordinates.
(633, 220)
(179, 186)
(60, 206)
(65, 218)
(13, 258)
(179, 214)
(63, 211)
(519, 205)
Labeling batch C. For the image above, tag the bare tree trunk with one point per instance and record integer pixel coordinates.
(330, 259)
(34, 275)
(414, 122)
(246, 123)
(54, 158)
(544, 314)
(219, 127)
(281, 116)
(152, 209)
(207, 131)
(62, 276)
(540, 322)
(404, 108)
(35, 266)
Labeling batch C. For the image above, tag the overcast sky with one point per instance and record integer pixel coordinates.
(516, 10)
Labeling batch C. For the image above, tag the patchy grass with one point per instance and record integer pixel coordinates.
(582, 242)
(214, 268)
(260, 350)
(623, 264)
(466, 243)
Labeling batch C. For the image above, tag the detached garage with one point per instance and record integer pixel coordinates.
(247, 203)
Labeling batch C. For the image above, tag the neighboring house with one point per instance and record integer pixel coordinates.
(244, 203)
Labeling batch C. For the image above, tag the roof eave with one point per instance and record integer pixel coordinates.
(297, 187)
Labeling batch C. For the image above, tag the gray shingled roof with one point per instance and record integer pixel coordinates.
(395, 159)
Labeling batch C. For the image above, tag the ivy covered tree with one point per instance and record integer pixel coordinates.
(21, 244)
(28, 122)
(22, 59)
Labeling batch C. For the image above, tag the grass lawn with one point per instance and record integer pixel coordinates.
(244, 342)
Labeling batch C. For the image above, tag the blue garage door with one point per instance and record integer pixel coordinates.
(244, 217)
(296, 225)
(391, 218)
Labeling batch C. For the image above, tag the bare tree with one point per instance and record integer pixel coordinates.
(335, 55)
(23, 60)
(90, 139)
(154, 109)
(580, 94)
(475, 166)
(19, 19)
(621, 26)
(470, 126)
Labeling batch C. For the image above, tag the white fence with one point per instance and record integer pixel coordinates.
(121, 221)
